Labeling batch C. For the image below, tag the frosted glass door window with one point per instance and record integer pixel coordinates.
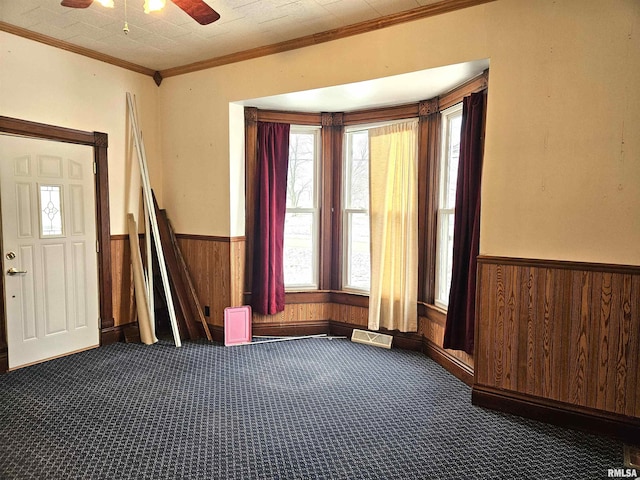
(51, 211)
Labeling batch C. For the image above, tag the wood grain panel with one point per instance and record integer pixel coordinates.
(353, 315)
(524, 379)
(626, 369)
(295, 314)
(383, 114)
(603, 316)
(633, 378)
(428, 187)
(578, 348)
(294, 118)
(209, 264)
(434, 333)
(547, 369)
(498, 344)
(291, 329)
(483, 350)
(568, 333)
(540, 336)
(122, 280)
(431, 328)
(456, 95)
(237, 252)
(510, 328)
(330, 209)
(610, 392)
(251, 188)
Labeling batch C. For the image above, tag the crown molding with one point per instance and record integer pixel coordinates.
(61, 44)
(434, 9)
(444, 6)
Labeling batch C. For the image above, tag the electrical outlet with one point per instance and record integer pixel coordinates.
(207, 312)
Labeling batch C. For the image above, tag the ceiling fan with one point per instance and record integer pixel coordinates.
(196, 9)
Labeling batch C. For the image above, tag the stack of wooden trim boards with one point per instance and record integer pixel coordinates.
(173, 270)
(146, 324)
(189, 309)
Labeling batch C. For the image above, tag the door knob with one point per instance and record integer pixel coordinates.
(15, 271)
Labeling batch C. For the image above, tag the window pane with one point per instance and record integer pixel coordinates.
(298, 255)
(301, 237)
(51, 210)
(451, 123)
(445, 257)
(300, 178)
(357, 171)
(358, 262)
(450, 175)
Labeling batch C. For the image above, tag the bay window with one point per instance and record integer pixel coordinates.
(326, 255)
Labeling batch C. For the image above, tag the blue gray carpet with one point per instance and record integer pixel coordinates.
(302, 409)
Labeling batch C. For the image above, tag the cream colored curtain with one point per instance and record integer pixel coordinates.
(393, 213)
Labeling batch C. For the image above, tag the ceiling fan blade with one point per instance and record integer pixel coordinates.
(76, 3)
(198, 10)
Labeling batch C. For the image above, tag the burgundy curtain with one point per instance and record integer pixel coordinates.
(267, 292)
(459, 328)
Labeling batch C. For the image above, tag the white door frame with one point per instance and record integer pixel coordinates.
(99, 142)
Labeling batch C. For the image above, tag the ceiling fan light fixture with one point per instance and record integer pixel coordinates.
(199, 10)
(153, 5)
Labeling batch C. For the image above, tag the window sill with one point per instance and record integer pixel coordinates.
(355, 299)
(432, 312)
(438, 308)
(307, 296)
(328, 296)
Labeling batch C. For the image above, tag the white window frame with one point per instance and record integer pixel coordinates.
(443, 254)
(348, 212)
(315, 210)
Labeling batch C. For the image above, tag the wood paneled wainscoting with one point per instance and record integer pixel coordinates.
(560, 342)
(302, 318)
(216, 266)
(122, 290)
(431, 323)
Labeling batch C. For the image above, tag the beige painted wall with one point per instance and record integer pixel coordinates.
(558, 181)
(48, 85)
(562, 161)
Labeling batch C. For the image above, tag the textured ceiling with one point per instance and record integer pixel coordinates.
(170, 38)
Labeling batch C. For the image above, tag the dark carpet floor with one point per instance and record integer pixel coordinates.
(302, 409)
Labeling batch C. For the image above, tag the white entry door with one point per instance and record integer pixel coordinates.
(49, 254)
